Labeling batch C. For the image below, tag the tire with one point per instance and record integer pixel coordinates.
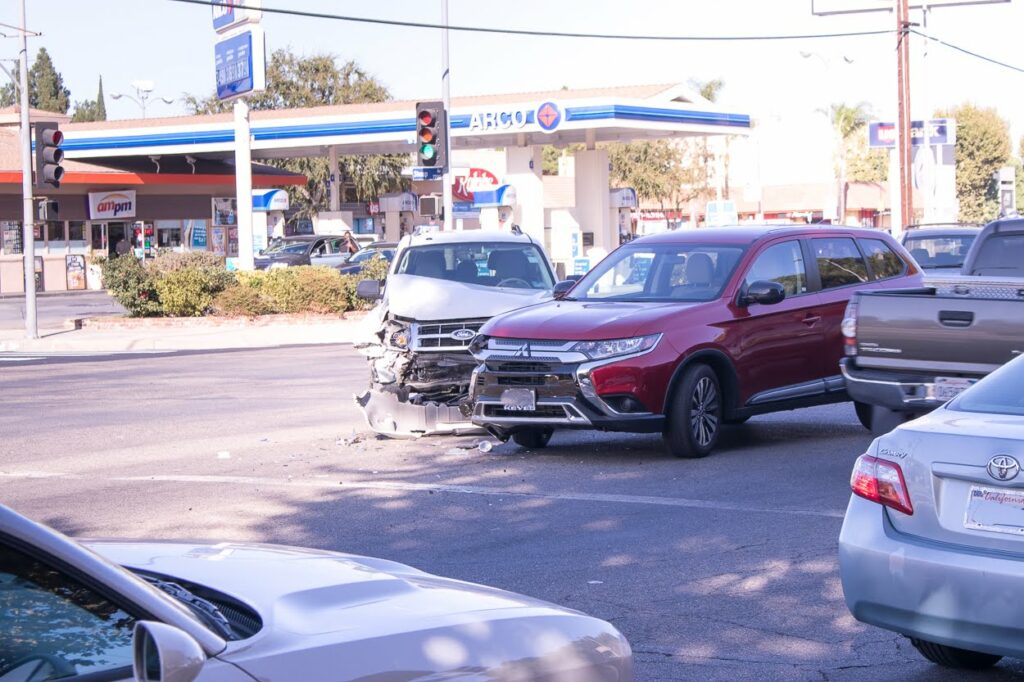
(863, 414)
(532, 439)
(694, 417)
(951, 657)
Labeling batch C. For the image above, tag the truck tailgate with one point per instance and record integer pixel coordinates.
(942, 332)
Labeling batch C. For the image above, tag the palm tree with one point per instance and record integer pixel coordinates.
(847, 120)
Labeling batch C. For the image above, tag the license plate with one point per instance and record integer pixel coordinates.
(519, 399)
(947, 388)
(1000, 510)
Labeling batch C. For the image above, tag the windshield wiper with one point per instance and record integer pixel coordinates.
(206, 610)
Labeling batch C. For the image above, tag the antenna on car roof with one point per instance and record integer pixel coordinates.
(516, 229)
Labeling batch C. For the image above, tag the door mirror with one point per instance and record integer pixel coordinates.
(763, 292)
(162, 653)
(562, 288)
(369, 289)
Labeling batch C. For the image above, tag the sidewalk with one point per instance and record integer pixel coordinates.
(170, 334)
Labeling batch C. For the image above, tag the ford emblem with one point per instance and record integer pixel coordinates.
(1003, 468)
(463, 334)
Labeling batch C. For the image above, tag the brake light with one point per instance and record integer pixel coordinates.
(881, 481)
(849, 328)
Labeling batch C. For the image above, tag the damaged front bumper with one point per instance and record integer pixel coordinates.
(388, 415)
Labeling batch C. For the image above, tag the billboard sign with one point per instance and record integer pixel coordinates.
(940, 131)
(240, 62)
(826, 7)
(116, 205)
(229, 14)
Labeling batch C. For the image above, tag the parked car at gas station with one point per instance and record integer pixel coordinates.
(353, 265)
(329, 250)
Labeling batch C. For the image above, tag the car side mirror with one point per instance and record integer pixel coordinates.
(162, 653)
(369, 289)
(763, 292)
(562, 288)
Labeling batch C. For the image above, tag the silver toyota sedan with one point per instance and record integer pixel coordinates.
(177, 612)
(932, 545)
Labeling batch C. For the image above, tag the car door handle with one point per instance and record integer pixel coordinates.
(811, 320)
(956, 318)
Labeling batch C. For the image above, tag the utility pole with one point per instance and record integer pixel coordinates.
(28, 220)
(903, 124)
(446, 183)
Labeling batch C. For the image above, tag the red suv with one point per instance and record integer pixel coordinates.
(682, 332)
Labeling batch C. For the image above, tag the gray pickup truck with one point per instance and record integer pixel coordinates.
(908, 351)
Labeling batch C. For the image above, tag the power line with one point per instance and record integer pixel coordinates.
(539, 34)
(970, 53)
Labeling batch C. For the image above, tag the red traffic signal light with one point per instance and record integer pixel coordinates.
(49, 155)
(431, 135)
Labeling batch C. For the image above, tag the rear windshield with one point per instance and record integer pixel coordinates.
(517, 266)
(947, 251)
(1001, 254)
(998, 393)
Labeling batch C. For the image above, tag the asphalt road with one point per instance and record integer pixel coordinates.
(716, 569)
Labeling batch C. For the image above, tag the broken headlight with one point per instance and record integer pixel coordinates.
(398, 336)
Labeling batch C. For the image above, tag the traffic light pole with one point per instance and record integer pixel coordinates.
(446, 183)
(28, 220)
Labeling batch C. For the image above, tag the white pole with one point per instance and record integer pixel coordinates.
(243, 185)
(28, 224)
(332, 160)
(895, 200)
(929, 172)
(446, 184)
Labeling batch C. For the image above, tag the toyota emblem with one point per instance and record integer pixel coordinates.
(1003, 468)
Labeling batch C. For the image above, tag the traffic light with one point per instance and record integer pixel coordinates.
(48, 210)
(431, 135)
(49, 156)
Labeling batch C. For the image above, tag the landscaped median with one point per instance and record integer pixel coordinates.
(195, 284)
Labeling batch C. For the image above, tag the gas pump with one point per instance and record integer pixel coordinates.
(497, 207)
(400, 214)
(621, 202)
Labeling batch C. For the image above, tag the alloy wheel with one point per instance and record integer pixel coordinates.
(704, 411)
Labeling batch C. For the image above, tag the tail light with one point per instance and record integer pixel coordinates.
(881, 481)
(849, 328)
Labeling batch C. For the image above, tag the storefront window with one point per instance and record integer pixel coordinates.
(168, 234)
(10, 238)
(38, 237)
(55, 236)
(363, 226)
(77, 238)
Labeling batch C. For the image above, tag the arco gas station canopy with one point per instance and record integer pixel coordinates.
(562, 117)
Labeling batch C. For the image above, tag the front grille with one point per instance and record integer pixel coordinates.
(540, 343)
(523, 367)
(438, 335)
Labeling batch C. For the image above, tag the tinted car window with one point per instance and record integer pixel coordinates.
(289, 247)
(839, 262)
(1000, 255)
(884, 261)
(998, 393)
(947, 251)
(663, 272)
(782, 263)
(49, 620)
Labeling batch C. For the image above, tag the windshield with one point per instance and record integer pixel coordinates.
(519, 266)
(288, 247)
(998, 393)
(946, 251)
(1001, 255)
(663, 272)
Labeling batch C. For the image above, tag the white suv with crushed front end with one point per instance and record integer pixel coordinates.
(440, 290)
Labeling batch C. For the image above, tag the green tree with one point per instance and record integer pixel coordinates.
(46, 89)
(982, 148)
(852, 159)
(294, 82)
(651, 168)
(91, 109)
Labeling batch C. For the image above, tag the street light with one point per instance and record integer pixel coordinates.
(143, 91)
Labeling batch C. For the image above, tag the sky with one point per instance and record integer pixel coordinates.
(171, 44)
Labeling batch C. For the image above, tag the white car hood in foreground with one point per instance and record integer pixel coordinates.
(426, 299)
(329, 616)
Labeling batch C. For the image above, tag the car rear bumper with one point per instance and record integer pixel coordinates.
(897, 391)
(928, 590)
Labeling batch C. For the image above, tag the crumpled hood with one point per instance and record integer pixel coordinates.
(426, 299)
(379, 617)
(585, 320)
